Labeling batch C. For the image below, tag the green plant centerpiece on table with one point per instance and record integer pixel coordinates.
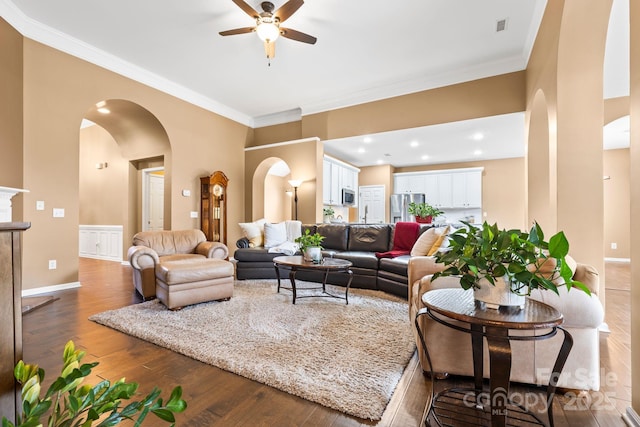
(485, 257)
(311, 246)
(424, 212)
(69, 403)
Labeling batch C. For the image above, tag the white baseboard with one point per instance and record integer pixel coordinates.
(624, 260)
(631, 418)
(49, 289)
(127, 263)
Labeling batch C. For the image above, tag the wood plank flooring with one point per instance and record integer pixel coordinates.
(219, 398)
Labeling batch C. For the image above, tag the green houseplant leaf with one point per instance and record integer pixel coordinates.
(68, 403)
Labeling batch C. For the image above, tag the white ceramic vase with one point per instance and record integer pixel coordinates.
(499, 295)
(313, 254)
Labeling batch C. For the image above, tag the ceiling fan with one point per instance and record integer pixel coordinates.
(268, 24)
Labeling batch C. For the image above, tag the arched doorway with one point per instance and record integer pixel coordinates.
(272, 194)
(119, 140)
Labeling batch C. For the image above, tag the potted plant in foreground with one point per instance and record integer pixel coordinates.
(310, 246)
(504, 266)
(68, 402)
(424, 212)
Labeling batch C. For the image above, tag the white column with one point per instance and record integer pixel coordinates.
(6, 194)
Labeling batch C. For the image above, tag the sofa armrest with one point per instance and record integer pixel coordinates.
(420, 266)
(242, 243)
(142, 257)
(213, 250)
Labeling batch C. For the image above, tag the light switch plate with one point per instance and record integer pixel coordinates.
(194, 214)
(58, 212)
(186, 193)
(40, 205)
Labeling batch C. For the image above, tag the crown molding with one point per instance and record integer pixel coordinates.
(48, 36)
(293, 115)
(417, 83)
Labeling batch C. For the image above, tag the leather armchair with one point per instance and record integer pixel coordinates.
(150, 248)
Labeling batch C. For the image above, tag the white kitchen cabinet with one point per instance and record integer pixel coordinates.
(438, 189)
(337, 176)
(444, 189)
(467, 189)
(414, 183)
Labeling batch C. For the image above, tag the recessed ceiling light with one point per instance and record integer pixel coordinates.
(361, 150)
(380, 162)
(367, 139)
(425, 157)
(477, 152)
(414, 143)
(478, 136)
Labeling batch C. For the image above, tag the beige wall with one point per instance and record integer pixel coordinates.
(617, 220)
(58, 92)
(11, 113)
(101, 190)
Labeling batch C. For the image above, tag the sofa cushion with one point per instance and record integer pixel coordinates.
(398, 265)
(336, 236)
(360, 259)
(193, 270)
(169, 242)
(370, 237)
(254, 255)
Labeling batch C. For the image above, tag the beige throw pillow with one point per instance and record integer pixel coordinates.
(438, 243)
(254, 232)
(424, 243)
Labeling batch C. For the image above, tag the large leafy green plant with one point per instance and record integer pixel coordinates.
(423, 210)
(528, 261)
(68, 403)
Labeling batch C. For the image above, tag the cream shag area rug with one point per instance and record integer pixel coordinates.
(346, 357)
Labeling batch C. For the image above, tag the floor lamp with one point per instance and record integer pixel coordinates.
(295, 183)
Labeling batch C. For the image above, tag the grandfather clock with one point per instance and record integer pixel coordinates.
(213, 206)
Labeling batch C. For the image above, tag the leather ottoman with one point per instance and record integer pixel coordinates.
(191, 281)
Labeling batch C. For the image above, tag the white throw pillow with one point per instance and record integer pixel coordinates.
(274, 234)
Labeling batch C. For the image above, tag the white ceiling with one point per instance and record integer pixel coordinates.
(366, 50)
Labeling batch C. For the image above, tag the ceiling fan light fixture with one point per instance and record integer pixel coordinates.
(267, 31)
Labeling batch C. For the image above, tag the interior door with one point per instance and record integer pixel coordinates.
(372, 204)
(153, 199)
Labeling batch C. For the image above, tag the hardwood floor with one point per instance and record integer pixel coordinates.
(219, 398)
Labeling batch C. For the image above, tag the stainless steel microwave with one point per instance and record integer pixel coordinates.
(348, 197)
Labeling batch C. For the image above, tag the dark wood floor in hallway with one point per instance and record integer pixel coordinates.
(219, 398)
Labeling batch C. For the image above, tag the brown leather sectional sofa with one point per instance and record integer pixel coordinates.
(357, 243)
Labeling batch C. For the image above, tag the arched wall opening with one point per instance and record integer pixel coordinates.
(271, 192)
(119, 139)
(541, 166)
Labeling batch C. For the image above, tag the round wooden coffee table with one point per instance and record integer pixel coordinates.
(295, 263)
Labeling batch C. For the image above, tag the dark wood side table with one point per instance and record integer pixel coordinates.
(327, 265)
(447, 305)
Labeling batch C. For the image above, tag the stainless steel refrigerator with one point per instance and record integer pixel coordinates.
(399, 206)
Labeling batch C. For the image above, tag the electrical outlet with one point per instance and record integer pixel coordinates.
(53, 264)
(614, 245)
(194, 214)
(58, 212)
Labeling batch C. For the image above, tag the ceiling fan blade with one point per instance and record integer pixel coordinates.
(288, 9)
(297, 36)
(237, 31)
(270, 49)
(247, 9)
